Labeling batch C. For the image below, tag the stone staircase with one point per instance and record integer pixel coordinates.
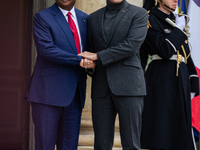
(86, 137)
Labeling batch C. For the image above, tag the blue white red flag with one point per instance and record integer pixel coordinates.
(194, 23)
(182, 7)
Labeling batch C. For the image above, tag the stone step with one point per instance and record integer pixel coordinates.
(88, 140)
(91, 148)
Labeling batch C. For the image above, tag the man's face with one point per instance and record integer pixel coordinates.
(115, 1)
(171, 3)
(66, 4)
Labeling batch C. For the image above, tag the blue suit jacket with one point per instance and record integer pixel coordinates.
(57, 73)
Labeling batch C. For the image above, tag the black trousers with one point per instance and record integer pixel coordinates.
(156, 149)
(104, 111)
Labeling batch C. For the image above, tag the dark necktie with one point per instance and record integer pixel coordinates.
(74, 31)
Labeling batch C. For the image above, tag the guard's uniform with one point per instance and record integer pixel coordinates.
(167, 110)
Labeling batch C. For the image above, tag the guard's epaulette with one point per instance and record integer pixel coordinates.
(148, 25)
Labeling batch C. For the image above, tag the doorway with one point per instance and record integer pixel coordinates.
(14, 73)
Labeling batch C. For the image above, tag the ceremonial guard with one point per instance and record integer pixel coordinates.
(171, 80)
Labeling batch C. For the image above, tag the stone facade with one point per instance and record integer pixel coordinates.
(90, 6)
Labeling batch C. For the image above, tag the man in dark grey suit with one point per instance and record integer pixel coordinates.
(116, 33)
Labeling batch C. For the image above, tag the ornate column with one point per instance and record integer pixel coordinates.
(86, 138)
(38, 5)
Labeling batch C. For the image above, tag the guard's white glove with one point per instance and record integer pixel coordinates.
(192, 95)
(175, 25)
(180, 21)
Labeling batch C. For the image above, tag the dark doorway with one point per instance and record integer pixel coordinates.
(15, 40)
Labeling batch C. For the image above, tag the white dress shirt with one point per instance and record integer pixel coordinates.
(73, 15)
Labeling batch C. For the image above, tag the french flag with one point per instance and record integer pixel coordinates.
(181, 7)
(194, 23)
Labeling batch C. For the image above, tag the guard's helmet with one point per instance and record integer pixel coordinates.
(149, 4)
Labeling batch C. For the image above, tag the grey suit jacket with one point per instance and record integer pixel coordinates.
(120, 67)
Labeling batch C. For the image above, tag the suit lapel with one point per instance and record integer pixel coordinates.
(60, 19)
(101, 21)
(117, 20)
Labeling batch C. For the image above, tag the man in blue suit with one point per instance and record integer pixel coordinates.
(58, 85)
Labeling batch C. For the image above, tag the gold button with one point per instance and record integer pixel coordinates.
(186, 41)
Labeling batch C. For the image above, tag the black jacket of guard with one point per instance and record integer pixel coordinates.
(167, 110)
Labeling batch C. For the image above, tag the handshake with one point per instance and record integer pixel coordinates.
(88, 60)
